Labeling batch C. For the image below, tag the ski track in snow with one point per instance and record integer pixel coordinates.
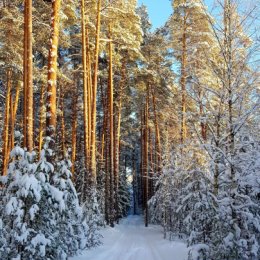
(131, 240)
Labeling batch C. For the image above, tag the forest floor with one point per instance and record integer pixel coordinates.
(131, 240)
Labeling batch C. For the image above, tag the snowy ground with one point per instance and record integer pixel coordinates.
(130, 240)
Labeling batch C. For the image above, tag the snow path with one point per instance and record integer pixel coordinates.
(130, 240)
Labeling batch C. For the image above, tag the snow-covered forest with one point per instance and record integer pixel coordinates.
(103, 117)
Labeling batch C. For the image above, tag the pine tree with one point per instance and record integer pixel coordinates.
(192, 35)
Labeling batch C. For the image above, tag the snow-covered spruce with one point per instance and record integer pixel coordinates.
(217, 226)
(90, 199)
(40, 217)
(237, 222)
(74, 230)
(93, 216)
(27, 232)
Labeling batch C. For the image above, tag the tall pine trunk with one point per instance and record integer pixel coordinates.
(29, 87)
(14, 107)
(93, 168)
(89, 88)
(85, 84)
(157, 136)
(11, 125)
(74, 133)
(25, 73)
(42, 117)
(5, 154)
(146, 157)
(51, 119)
(183, 82)
(203, 125)
(117, 134)
(62, 122)
(113, 193)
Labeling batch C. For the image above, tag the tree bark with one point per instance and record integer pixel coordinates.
(11, 125)
(113, 192)
(42, 114)
(85, 85)
(203, 125)
(104, 126)
(146, 158)
(117, 136)
(151, 163)
(89, 89)
(25, 73)
(216, 170)
(183, 82)
(62, 117)
(94, 102)
(29, 63)
(13, 114)
(51, 119)
(134, 184)
(5, 154)
(158, 137)
(17, 96)
(74, 133)
(142, 158)
(107, 179)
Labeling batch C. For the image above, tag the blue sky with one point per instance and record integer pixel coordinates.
(159, 10)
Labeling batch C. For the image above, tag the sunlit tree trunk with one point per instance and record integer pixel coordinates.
(113, 192)
(157, 136)
(11, 125)
(203, 125)
(104, 126)
(183, 82)
(94, 101)
(117, 131)
(74, 132)
(89, 89)
(25, 73)
(51, 119)
(42, 117)
(85, 84)
(17, 97)
(107, 175)
(5, 154)
(13, 113)
(62, 121)
(29, 64)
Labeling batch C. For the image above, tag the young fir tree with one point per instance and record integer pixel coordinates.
(23, 194)
(41, 216)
